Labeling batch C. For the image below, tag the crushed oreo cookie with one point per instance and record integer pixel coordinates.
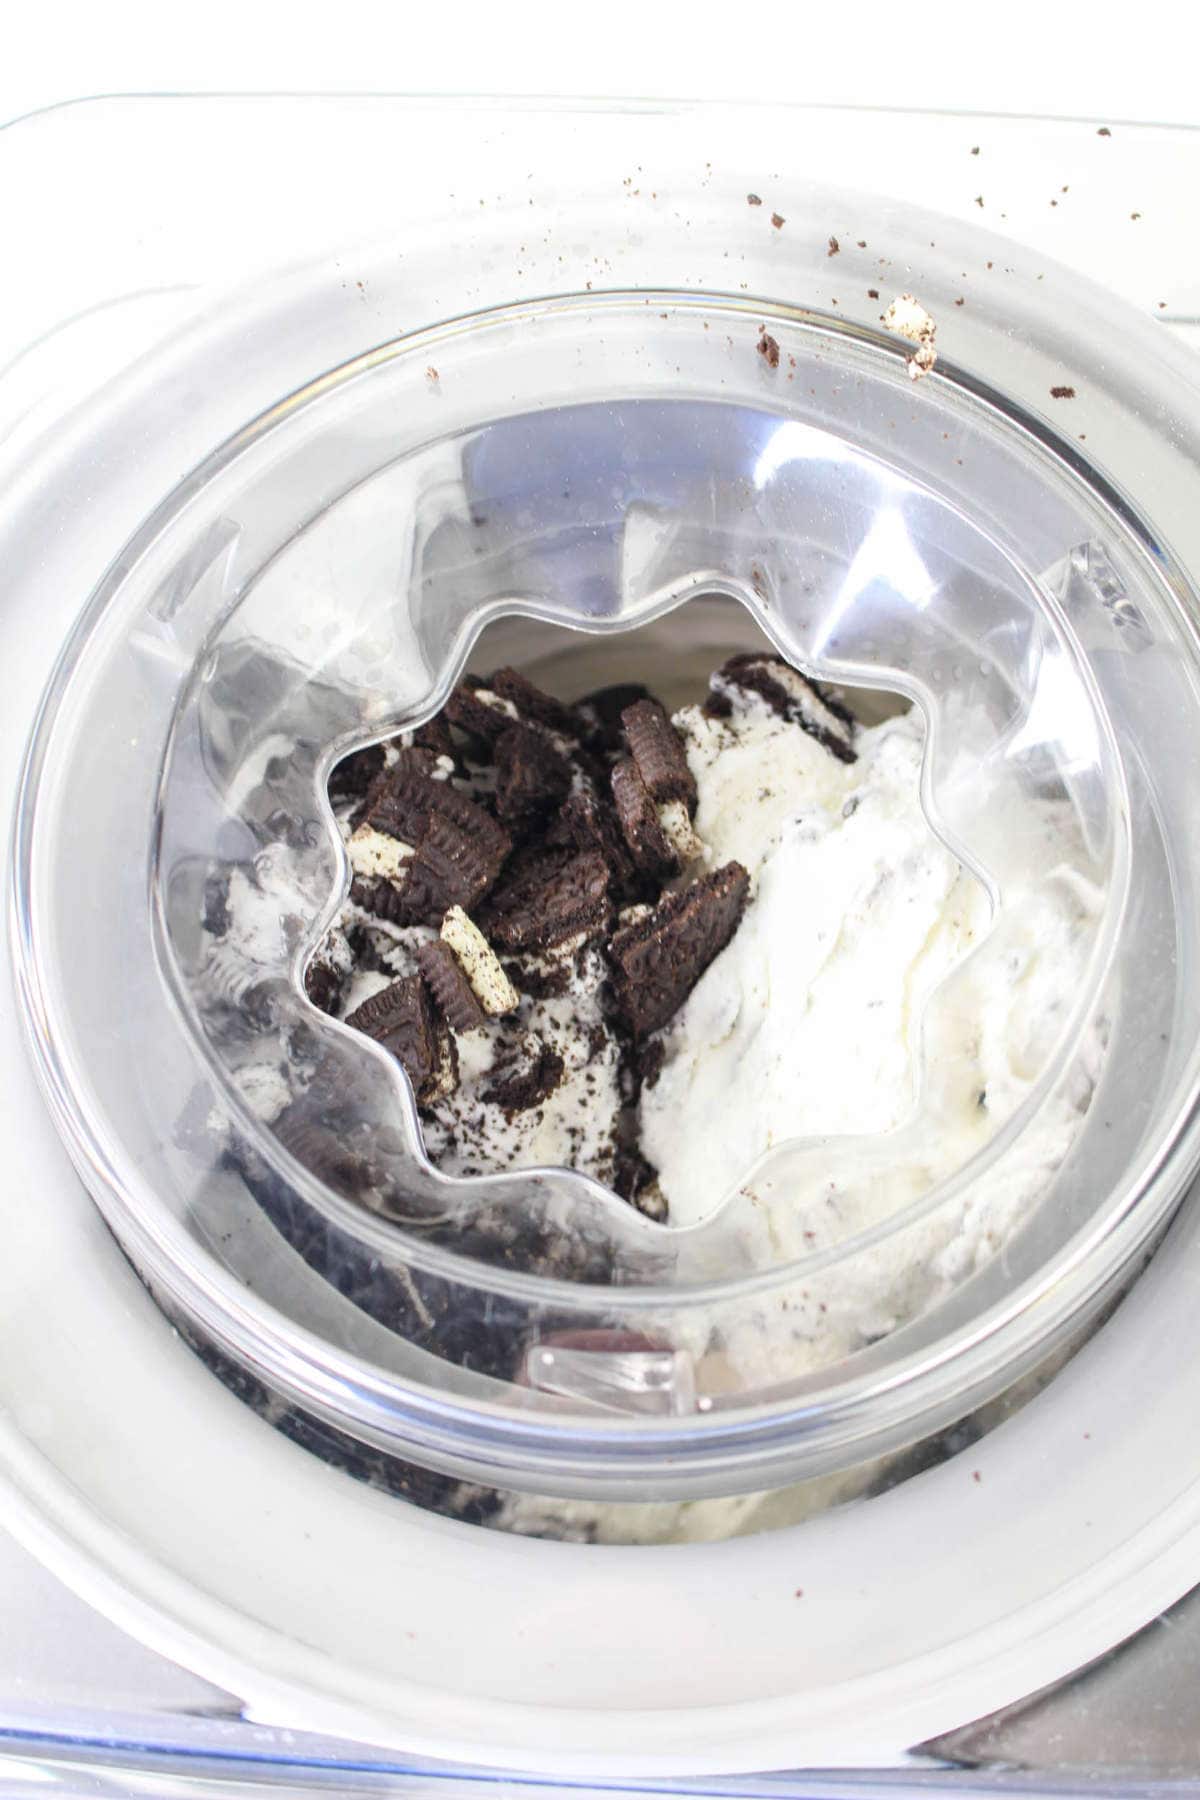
(526, 1079)
(548, 896)
(530, 907)
(402, 1019)
(532, 778)
(790, 694)
(453, 994)
(657, 960)
(651, 848)
(658, 753)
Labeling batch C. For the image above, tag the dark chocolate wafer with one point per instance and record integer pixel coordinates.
(598, 716)
(402, 1020)
(658, 960)
(352, 777)
(435, 735)
(547, 896)
(452, 992)
(323, 981)
(589, 822)
(532, 704)
(406, 795)
(658, 752)
(484, 720)
(531, 778)
(526, 1079)
(453, 866)
(640, 826)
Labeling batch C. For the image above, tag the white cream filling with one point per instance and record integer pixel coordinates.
(480, 964)
(373, 854)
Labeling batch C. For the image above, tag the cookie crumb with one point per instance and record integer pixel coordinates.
(768, 348)
(1104, 132)
(834, 247)
(909, 319)
(778, 221)
(753, 199)
(1062, 393)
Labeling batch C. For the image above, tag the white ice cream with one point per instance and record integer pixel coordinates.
(848, 1010)
(809, 1021)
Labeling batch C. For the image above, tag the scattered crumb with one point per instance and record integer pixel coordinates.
(975, 1475)
(862, 243)
(753, 199)
(799, 1593)
(909, 319)
(979, 199)
(1104, 132)
(960, 301)
(834, 247)
(432, 374)
(1062, 393)
(975, 150)
(777, 221)
(768, 347)
(872, 293)
(1135, 215)
(1161, 305)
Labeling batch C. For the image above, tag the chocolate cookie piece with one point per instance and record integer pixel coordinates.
(532, 704)
(635, 1179)
(547, 896)
(323, 983)
(452, 992)
(352, 777)
(459, 848)
(658, 752)
(402, 1020)
(483, 720)
(531, 778)
(790, 694)
(658, 960)
(587, 821)
(434, 735)
(404, 797)
(319, 1147)
(541, 977)
(526, 1079)
(598, 716)
(380, 898)
(451, 867)
(640, 825)
(215, 918)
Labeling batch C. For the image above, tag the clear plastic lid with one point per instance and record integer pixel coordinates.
(633, 484)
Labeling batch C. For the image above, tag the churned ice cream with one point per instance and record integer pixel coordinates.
(720, 963)
(656, 950)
